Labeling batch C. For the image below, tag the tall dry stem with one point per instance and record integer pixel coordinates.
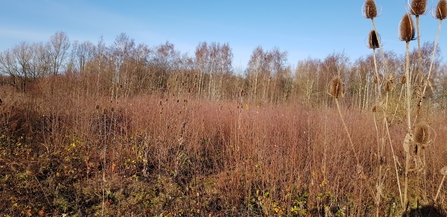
(407, 34)
(418, 8)
(336, 91)
(374, 44)
(444, 174)
(370, 12)
(440, 14)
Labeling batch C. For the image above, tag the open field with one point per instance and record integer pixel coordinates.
(69, 152)
(132, 130)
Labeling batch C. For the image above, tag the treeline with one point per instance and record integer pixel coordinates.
(125, 69)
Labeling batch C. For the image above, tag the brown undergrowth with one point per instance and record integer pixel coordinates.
(66, 151)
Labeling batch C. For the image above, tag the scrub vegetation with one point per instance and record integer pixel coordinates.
(131, 130)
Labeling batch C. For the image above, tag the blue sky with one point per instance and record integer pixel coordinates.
(302, 28)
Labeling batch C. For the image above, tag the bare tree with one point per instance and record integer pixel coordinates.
(23, 63)
(266, 73)
(306, 79)
(41, 59)
(59, 44)
(212, 62)
(140, 77)
(82, 53)
(201, 54)
(22, 55)
(120, 56)
(254, 70)
(163, 60)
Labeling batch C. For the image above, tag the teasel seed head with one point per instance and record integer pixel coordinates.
(376, 79)
(418, 7)
(403, 80)
(421, 133)
(370, 9)
(441, 10)
(389, 84)
(444, 171)
(336, 87)
(406, 28)
(373, 40)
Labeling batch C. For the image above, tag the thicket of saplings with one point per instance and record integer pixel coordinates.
(128, 130)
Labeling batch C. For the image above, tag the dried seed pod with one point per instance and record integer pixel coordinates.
(336, 87)
(389, 84)
(407, 28)
(376, 79)
(421, 133)
(441, 10)
(403, 80)
(370, 9)
(444, 171)
(418, 7)
(373, 40)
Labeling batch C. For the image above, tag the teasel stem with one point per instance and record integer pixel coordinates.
(418, 27)
(444, 174)
(439, 189)
(347, 131)
(407, 168)
(370, 12)
(418, 7)
(378, 91)
(435, 46)
(395, 164)
(408, 85)
(419, 86)
(381, 48)
(336, 91)
(408, 88)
